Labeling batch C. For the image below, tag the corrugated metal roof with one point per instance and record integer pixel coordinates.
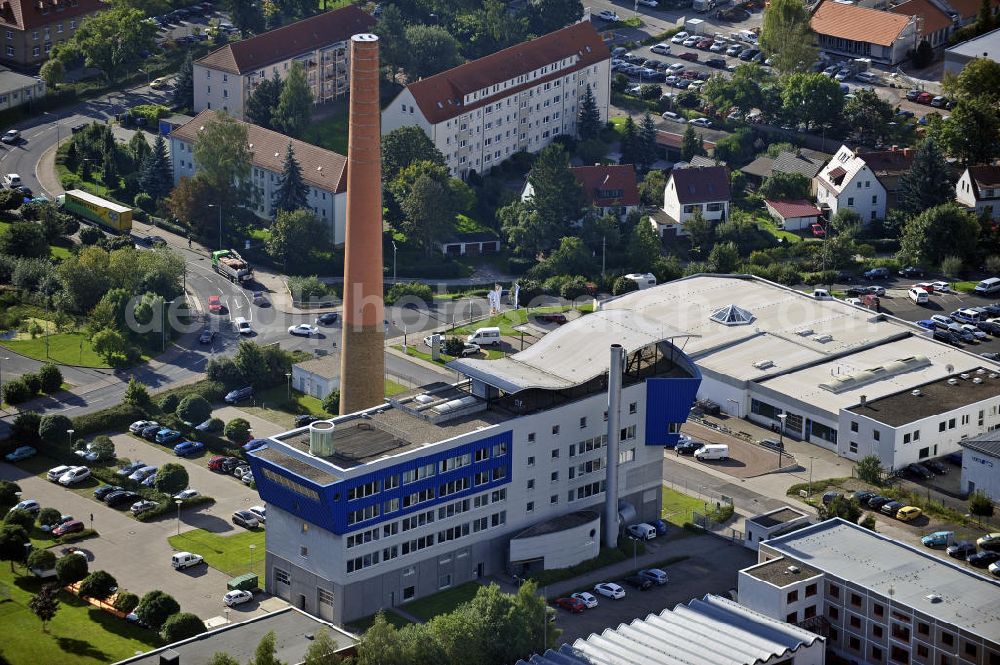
(708, 631)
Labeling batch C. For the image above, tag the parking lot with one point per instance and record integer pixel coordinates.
(746, 459)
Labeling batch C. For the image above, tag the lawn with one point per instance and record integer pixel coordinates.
(275, 406)
(769, 225)
(330, 132)
(442, 602)
(361, 625)
(67, 348)
(393, 388)
(963, 287)
(229, 554)
(506, 321)
(79, 633)
(677, 506)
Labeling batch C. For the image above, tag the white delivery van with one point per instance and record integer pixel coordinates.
(242, 326)
(709, 451)
(642, 530)
(12, 180)
(991, 285)
(185, 560)
(918, 296)
(485, 337)
(821, 294)
(642, 280)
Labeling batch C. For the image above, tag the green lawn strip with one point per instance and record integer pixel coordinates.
(330, 132)
(393, 388)
(68, 348)
(79, 633)
(361, 625)
(506, 321)
(678, 507)
(442, 602)
(276, 407)
(229, 554)
(964, 287)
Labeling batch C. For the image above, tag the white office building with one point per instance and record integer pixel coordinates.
(981, 465)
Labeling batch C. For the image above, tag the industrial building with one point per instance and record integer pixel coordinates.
(981, 465)
(984, 46)
(509, 469)
(876, 600)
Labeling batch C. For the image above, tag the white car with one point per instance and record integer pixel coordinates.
(236, 597)
(75, 475)
(676, 67)
(718, 47)
(586, 598)
(662, 49)
(843, 75)
(995, 568)
(28, 505)
(610, 590)
(854, 301)
(260, 512)
(607, 15)
(142, 506)
(187, 494)
(13, 136)
(303, 329)
(56, 473)
(691, 41)
(679, 37)
(701, 122)
(942, 287)
(140, 425)
(648, 3)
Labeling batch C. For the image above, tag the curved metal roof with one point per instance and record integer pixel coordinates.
(572, 354)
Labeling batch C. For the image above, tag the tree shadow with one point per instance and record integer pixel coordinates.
(81, 648)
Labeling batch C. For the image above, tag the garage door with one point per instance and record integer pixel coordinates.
(325, 604)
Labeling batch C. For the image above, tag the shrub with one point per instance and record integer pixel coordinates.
(624, 285)
(125, 601)
(238, 430)
(71, 568)
(114, 418)
(194, 409)
(49, 516)
(144, 201)
(453, 346)
(21, 518)
(98, 584)
(8, 493)
(51, 378)
(331, 403)
(869, 469)
(951, 266)
(306, 289)
(215, 425)
(33, 382)
(136, 393)
(40, 559)
(53, 429)
(171, 478)
(104, 447)
(24, 429)
(168, 403)
(402, 293)
(16, 392)
(90, 235)
(155, 608)
(225, 371)
(574, 288)
(181, 626)
(980, 504)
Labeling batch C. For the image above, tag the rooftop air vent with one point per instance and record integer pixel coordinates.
(964, 375)
(792, 570)
(933, 597)
(916, 392)
(952, 382)
(764, 364)
(424, 398)
(980, 371)
(977, 380)
(823, 339)
(805, 332)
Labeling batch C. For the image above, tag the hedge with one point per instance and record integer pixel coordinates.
(213, 391)
(79, 535)
(113, 418)
(170, 507)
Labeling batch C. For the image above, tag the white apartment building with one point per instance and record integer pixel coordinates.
(519, 99)
(224, 79)
(324, 171)
(979, 190)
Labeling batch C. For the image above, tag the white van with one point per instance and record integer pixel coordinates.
(821, 294)
(718, 451)
(185, 560)
(485, 337)
(991, 285)
(918, 296)
(12, 180)
(642, 530)
(642, 280)
(242, 326)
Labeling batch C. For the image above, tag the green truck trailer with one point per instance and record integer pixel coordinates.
(108, 214)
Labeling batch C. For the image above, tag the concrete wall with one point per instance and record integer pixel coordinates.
(560, 549)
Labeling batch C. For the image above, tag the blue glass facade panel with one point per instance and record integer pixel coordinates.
(309, 509)
(668, 402)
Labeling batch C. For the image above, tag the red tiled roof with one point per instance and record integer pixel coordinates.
(289, 41)
(933, 18)
(888, 162)
(969, 8)
(440, 97)
(703, 184)
(28, 14)
(613, 177)
(321, 168)
(858, 24)
(798, 208)
(673, 140)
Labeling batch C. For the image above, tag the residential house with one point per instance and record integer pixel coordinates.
(934, 24)
(979, 190)
(804, 161)
(517, 100)
(609, 189)
(797, 215)
(858, 32)
(864, 182)
(984, 46)
(32, 27)
(690, 191)
(324, 171)
(17, 89)
(224, 78)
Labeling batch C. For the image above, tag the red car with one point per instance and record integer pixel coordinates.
(693, 57)
(215, 463)
(552, 318)
(574, 605)
(924, 98)
(73, 526)
(705, 43)
(818, 230)
(214, 304)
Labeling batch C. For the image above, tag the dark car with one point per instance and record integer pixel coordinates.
(121, 499)
(962, 549)
(327, 319)
(689, 56)
(638, 582)
(829, 497)
(553, 317)
(988, 327)
(919, 471)
(245, 519)
(207, 337)
(229, 464)
(574, 605)
(890, 508)
(983, 559)
(102, 493)
(911, 272)
(688, 447)
(149, 433)
(954, 458)
(304, 419)
(25, 192)
(947, 337)
(877, 273)
(863, 497)
(659, 525)
(936, 466)
(855, 291)
(878, 501)
(718, 63)
(238, 395)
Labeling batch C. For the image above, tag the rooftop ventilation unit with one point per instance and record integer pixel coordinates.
(993, 375)
(423, 399)
(805, 332)
(964, 375)
(764, 364)
(933, 597)
(952, 382)
(823, 339)
(980, 371)
(916, 392)
(977, 380)
(793, 570)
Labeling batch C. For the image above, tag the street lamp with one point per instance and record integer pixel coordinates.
(781, 436)
(288, 375)
(2, 359)
(219, 206)
(393, 261)
(178, 502)
(811, 458)
(70, 432)
(252, 548)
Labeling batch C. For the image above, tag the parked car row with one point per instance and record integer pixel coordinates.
(983, 553)
(150, 430)
(233, 466)
(883, 504)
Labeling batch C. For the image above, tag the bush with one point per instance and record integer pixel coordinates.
(125, 601)
(453, 346)
(98, 584)
(71, 568)
(238, 430)
(331, 403)
(144, 201)
(21, 518)
(40, 559)
(306, 289)
(574, 288)
(155, 608)
(90, 235)
(980, 504)
(951, 266)
(16, 392)
(33, 382)
(171, 478)
(49, 517)
(215, 425)
(181, 626)
(194, 409)
(104, 447)
(136, 394)
(51, 378)
(624, 285)
(168, 403)
(8, 493)
(409, 292)
(24, 429)
(114, 418)
(225, 371)
(53, 430)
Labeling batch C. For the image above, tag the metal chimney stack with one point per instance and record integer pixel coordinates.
(362, 353)
(614, 407)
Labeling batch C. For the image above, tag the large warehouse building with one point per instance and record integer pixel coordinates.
(843, 377)
(504, 470)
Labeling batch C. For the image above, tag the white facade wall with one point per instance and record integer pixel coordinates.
(527, 120)
(713, 211)
(863, 193)
(779, 602)
(560, 549)
(981, 473)
(24, 89)
(310, 383)
(988, 205)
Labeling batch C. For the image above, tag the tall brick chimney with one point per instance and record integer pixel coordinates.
(362, 352)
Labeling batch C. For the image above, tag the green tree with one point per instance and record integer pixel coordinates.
(869, 469)
(786, 37)
(24, 239)
(155, 608)
(951, 266)
(331, 403)
(405, 146)
(125, 601)
(944, 230)
(51, 378)
(156, 175)
(16, 391)
(110, 345)
(841, 507)
(972, 132)
(868, 114)
(647, 142)
(979, 79)
(247, 15)
(10, 489)
(557, 198)
(550, 15)
(52, 72)
(21, 518)
(724, 257)
(322, 651)
(110, 312)
(45, 604)
(631, 148)
(238, 430)
(980, 504)
(294, 109)
(429, 198)
(393, 49)
(700, 231)
(171, 478)
(49, 517)
(112, 40)
(691, 144)
(295, 234)
(741, 92)
(104, 447)
(927, 184)
(193, 202)
(71, 568)
(984, 19)
(588, 125)
(571, 258)
(221, 658)
(292, 190)
(99, 584)
(431, 50)
(812, 99)
(263, 101)
(644, 247)
(40, 559)
(138, 148)
(194, 409)
(222, 157)
(785, 186)
(53, 429)
(265, 652)
(136, 394)
(652, 188)
(183, 94)
(181, 626)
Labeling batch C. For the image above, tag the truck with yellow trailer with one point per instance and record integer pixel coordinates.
(107, 214)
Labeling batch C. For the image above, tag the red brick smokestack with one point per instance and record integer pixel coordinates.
(362, 359)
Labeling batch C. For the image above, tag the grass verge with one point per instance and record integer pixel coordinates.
(67, 348)
(330, 132)
(229, 554)
(443, 601)
(678, 507)
(361, 625)
(443, 358)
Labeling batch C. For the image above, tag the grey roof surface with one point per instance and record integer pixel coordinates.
(760, 167)
(776, 517)
(239, 640)
(10, 81)
(898, 571)
(988, 45)
(780, 572)
(935, 397)
(707, 631)
(559, 523)
(570, 355)
(807, 165)
(987, 443)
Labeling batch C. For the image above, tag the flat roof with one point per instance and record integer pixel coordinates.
(898, 571)
(781, 572)
(97, 200)
(805, 383)
(11, 81)
(776, 517)
(239, 640)
(941, 396)
(987, 45)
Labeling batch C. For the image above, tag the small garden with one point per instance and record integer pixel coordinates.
(228, 554)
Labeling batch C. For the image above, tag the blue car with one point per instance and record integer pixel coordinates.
(23, 452)
(167, 435)
(938, 539)
(926, 323)
(254, 444)
(660, 526)
(186, 448)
